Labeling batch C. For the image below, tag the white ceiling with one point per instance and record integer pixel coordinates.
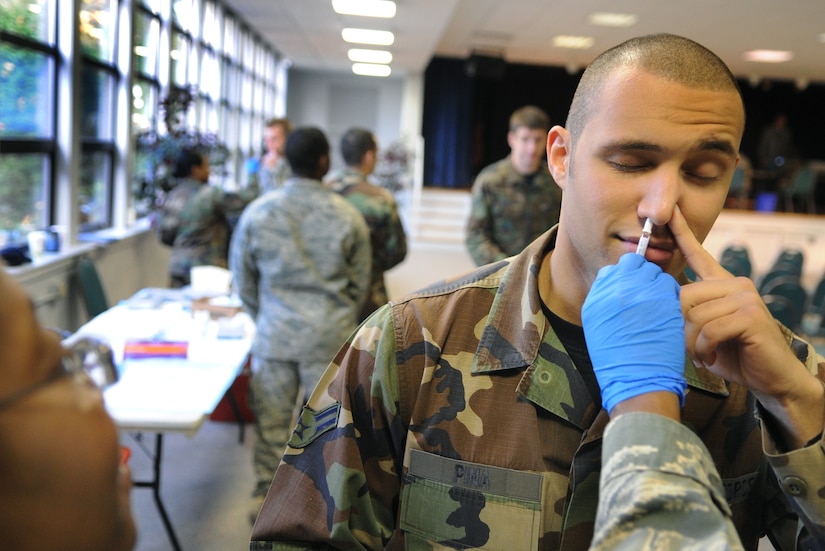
(309, 33)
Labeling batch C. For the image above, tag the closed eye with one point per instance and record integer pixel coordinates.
(629, 166)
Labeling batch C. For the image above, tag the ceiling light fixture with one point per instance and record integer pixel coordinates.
(605, 19)
(768, 56)
(367, 8)
(368, 36)
(371, 69)
(574, 42)
(369, 56)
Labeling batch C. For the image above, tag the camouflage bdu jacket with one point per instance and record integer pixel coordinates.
(454, 418)
(389, 242)
(196, 216)
(509, 211)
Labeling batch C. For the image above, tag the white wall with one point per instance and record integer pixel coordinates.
(766, 233)
(334, 101)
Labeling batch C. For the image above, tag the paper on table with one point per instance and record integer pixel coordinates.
(127, 323)
(167, 386)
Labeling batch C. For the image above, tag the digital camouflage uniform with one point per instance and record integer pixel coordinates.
(198, 215)
(455, 418)
(659, 489)
(300, 258)
(389, 243)
(273, 178)
(509, 210)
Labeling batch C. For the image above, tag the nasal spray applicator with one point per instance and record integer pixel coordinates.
(645, 238)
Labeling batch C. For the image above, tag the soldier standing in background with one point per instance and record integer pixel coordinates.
(196, 218)
(273, 169)
(389, 242)
(300, 257)
(515, 199)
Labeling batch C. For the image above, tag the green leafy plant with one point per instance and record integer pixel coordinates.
(156, 152)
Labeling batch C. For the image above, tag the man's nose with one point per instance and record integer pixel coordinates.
(659, 197)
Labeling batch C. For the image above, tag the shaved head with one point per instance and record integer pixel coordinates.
(666, 56)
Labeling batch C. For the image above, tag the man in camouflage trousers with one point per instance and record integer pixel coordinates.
(469, 415)
(300, 257)
(515, 199)
(389, 242)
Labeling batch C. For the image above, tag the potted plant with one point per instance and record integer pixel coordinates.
(156, 152)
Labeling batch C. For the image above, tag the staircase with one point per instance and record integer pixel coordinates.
(437, 216)
(435, 223)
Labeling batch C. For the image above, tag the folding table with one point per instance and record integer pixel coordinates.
(169, 394)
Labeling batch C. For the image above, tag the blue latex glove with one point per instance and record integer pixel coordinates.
(635, 331)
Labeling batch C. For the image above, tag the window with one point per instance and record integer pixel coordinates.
(23, 197)
(196, 45)
(97, 25)
(147, 33)
(28, 57)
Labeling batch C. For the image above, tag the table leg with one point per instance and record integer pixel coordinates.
(236, 411)
(154, 484)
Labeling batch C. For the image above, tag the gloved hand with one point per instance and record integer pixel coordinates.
(635, 331)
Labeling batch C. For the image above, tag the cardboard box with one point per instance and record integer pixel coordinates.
(216, 308)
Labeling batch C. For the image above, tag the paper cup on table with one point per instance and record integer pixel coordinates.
(210, 281)
(37, 243)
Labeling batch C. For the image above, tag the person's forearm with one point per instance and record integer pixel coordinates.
(662, 403)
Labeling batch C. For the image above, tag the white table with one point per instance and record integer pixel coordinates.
(168, 394)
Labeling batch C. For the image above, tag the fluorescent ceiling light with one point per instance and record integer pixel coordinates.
(369, 56)
(575, 42)
(368, 8)
(605, 19)
(371, 69)
(769, 56)
(368, 36)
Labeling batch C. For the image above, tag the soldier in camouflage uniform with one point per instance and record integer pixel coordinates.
(468, 415)
(300, 257)
(273, 169)
(514, 200)
(195, 216)
(389, 242)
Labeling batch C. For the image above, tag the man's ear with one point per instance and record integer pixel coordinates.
(559, 151)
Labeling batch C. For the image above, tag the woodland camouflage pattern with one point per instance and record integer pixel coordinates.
(387, 237)
(479, 433)
(196, 217)
(509, 211)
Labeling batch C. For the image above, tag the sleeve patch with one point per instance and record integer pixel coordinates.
(312, 424)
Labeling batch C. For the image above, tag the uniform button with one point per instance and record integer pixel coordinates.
(795, 486)
(544, 377)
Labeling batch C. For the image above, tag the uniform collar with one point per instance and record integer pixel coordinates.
(528, 342)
